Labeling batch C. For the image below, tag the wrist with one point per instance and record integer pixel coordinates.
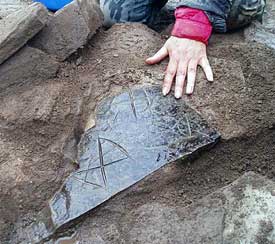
(192, 24)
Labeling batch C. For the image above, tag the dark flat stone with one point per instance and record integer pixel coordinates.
(136, 133)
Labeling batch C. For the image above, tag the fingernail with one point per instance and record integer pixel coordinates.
(178, 93)
(211, 79)
(189, 89)
(165, 91)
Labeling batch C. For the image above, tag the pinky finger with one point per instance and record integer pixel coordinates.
(204, 63)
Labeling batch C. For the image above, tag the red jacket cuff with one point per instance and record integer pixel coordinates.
(192, 24)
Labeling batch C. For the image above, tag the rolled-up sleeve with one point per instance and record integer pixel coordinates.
(192, 24)
(216, 10)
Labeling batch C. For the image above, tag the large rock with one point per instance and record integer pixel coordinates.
(265, 32)
(239, 106)
(19, 27)
(91, 12)
(137, 133)
(243, 212)
(69, 29)
(27, 65)
(9, 6)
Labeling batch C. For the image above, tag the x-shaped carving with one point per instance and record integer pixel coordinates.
(102, 164)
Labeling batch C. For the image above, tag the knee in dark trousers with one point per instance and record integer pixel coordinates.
(243, 12)
(143, 11)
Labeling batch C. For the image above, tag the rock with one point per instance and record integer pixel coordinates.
(10, 6)
(91, 12)
(19, 27)
(242, 212)
(69, 29)
(137, 133)
(256, 32)
(265, 32)
(233, 99)
(35, 104)
(220, 102)
(27, 65)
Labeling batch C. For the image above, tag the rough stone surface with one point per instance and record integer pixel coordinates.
(265, 32)
(115, 59)
(10, 6)
(91, 12)
(242, 212)
(19, 27)
(27, 65)
(69, 29)
(252, 102)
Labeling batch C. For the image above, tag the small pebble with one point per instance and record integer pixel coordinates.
(115, 55)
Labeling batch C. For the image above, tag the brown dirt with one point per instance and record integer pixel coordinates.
(41, 123)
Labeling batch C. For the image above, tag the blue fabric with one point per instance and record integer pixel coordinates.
(54, 5)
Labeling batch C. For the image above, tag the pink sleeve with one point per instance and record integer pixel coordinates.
(192, 24)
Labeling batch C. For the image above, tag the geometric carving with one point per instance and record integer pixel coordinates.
(102, 164)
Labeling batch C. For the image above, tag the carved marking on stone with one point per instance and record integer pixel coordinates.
(148, 101)
(102, 165)
(112, 121)
(188, 124)
(85, 182)
(132, 103)
(101, 160)
(119, 147)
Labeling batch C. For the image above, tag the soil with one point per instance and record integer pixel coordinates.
(42, 122)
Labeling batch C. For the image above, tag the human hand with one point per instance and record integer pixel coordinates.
(185, 56)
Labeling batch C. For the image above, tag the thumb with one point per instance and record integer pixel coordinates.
(160, 55)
